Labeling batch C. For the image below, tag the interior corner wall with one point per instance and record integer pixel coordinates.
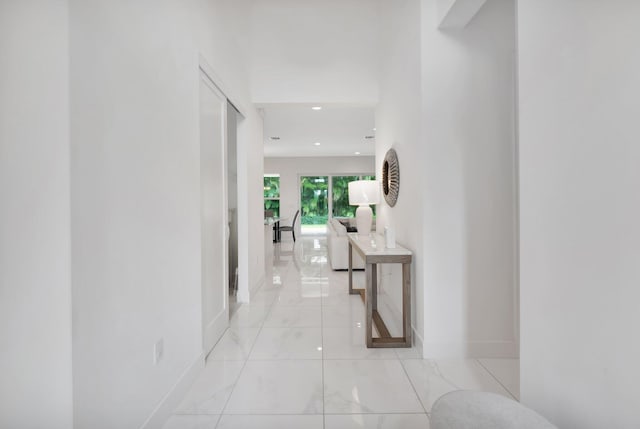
(135, 197)
(398, 126)
(580, 255)
(470, 184)
(446, 106)
(35, 254)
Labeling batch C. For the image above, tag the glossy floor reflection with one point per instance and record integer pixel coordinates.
(296, 358)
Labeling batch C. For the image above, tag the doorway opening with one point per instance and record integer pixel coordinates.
(314, 204)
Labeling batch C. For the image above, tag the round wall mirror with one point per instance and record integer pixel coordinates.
(391, 177)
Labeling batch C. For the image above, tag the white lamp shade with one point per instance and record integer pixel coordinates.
(364, 192)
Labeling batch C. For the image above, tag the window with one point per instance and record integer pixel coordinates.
(325, 196)
(340, 195)
(272, 194)
(314, 203)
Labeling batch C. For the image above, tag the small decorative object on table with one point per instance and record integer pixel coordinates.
(389, 237)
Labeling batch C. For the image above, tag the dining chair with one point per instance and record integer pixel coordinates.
(291, 227)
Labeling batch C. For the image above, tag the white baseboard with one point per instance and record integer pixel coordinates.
(172, 399)
(484, 349)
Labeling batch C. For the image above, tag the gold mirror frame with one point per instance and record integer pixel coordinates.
(391, 177)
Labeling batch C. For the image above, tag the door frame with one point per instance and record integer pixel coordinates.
(213, 330)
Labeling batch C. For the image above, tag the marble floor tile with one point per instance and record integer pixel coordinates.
(271, 422)
(211, 390)
(298, 351)
(249, 315)
(507, 371)
(368, 386)
(278, 387)
(235, 344)
(288, 343)
(191, 422)
(340, 278)
(336, 299)
(265, 296)
(434, 378)
(283, 316)
(307, 296)
(349, 315)
(306, 275)
(414, 352)
(349, 343)
(377, 421)
(334, 287)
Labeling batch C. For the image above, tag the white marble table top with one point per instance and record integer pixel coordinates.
(374, 245)
(272, 220)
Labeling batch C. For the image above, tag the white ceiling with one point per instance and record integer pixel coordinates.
(340, 129)
(300, 52)
(303, 51)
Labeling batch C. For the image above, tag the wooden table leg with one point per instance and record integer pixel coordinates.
(369, 305)
(406, 303)
(374, 286)
(350, 269)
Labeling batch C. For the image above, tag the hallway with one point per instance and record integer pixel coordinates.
(295, 358)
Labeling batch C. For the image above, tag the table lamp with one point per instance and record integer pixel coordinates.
(362, 193)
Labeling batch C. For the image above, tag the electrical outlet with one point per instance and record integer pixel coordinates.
(158, 351)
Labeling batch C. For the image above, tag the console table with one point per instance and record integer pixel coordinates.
(373, 251)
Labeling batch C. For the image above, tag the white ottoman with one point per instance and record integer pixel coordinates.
(465, 409)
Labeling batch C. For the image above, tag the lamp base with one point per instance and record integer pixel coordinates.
(364, 217)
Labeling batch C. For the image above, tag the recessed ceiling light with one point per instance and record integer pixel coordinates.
(317, 143)
(316, 108)
(374, 129)
(357, 153)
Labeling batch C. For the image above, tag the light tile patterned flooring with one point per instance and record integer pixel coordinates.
(295, 358)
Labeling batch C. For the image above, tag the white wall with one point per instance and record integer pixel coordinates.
(469, 163)
(136, 199)
(454, 139)
(290, 168)
(251, 258)
(319, 51)
(580, 251)
(398, 126)
(35, 278)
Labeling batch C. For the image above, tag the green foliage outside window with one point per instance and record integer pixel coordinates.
(272, 194)
(272, 186)
(341, 207)
(313, 200)
(274, 206)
